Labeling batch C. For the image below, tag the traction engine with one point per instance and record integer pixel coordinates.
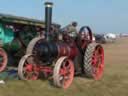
(61, 57)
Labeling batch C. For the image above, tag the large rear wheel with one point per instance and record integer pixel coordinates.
(94, 61)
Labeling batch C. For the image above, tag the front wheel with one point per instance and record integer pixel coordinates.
(63, 72)
(27, 69)
(94, 61)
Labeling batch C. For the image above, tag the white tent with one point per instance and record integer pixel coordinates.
(110, 37)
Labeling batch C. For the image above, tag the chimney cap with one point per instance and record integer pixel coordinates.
(48, 4)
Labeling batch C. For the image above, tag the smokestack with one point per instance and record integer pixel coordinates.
(48, 18)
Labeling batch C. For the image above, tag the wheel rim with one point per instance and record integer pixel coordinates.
(3, 60)
(65, 73)
(28, 69)
(98, 62)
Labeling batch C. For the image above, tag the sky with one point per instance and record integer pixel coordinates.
(101, 15)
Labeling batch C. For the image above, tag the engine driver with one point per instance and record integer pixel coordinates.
(71, 29)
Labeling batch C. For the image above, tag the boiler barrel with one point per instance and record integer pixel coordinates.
(48, 51)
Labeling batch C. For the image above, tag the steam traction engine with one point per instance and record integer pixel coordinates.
(62, 56)
(15, 34)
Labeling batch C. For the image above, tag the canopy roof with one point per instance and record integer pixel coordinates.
(22, 20)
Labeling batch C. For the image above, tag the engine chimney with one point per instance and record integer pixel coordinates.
(48, 18)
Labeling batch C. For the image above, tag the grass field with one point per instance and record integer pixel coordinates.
(113, 83)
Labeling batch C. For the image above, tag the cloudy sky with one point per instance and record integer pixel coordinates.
(102, 15)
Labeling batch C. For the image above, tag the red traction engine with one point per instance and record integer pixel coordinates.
(61, 57)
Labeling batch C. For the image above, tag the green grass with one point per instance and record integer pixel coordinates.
(113, 83)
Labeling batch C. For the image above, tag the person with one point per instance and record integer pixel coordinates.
(71, 29)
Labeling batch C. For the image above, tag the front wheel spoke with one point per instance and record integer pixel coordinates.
(66, 78)
(64, 65)
(68, 72)
(34, 74)
(28, 75)
(62, 72)
(24, 70)
(68, 67)
(61, 77)
(28, 68)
